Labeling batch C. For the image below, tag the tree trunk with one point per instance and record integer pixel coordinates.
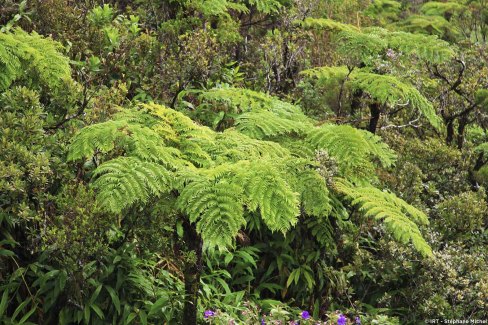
(356, 101)
(375, 117)
(450, 131)
(192, 272)
(463, 121)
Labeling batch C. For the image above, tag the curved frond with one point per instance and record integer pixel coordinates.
(353, 149)
(216, 208)
(123, 181)
(265, 124)
(362, 46)
(232, 146)
(400, 218)
(426, 47)
(389, 90)
(266, 189)
(326, 24)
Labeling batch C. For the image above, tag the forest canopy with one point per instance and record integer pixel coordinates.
(243, 162)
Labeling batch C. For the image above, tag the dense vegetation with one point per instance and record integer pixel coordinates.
(243, 162)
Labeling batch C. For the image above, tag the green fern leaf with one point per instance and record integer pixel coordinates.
(353, 149)
(399, 217)
(266, 189)
(389, 90)
(216, 208)
(31, 56)
(123, 181)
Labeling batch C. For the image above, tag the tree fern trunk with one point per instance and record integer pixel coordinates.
(450, 131)
(463, 121)
(375, 117)
(192, 272)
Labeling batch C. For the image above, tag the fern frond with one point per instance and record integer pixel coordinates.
(433, 25)
(399, 217)
(240, 100)
(266, 6)
(389, 90)
(426, 47)
(436, 8)
(265, 124)
(24, 55)
(137, 140)
(99, 137)
(232, 146)
(327, 24)
(218, 7)
(353, 149)
(388, 9)
(216, 208)
(125, 180)
(363, 46)
(266, 189)
(314, 194)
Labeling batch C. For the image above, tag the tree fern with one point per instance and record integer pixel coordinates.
(238, 173)
(39, 56)
(389, 90)
(436, 8)
(400, 218)
(384, 89)
(369, 42)
(433, 25)
(426, 47)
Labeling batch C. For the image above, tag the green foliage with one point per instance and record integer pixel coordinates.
(428, 48)
(265, 124)
(31, 57)
(106, 203)
(326, 24)
(353, 149)
(426, 24)
(212, 197)
(385, 89)
(125, 180)
(399, 217)
(453, 218)
(435, 8)
(384, 10)
(391, 91)
(218, 7)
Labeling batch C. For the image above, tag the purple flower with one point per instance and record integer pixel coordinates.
(358, 320)
(208, 313)
(305, 314)
(263, 322)
(342, 320)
